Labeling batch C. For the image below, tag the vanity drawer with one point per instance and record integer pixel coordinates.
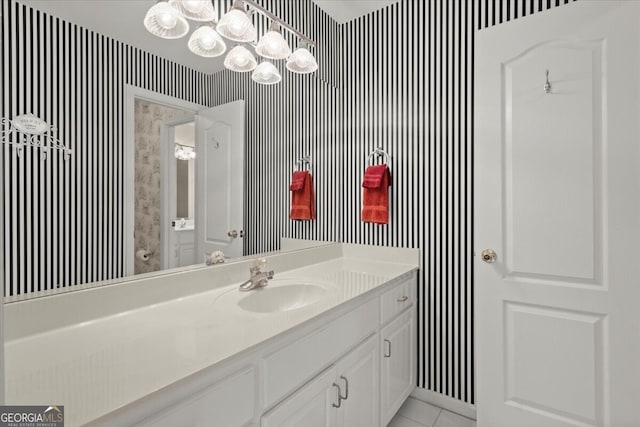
(292, 366)
(396, 299)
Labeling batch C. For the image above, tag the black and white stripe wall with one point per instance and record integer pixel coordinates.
(400, 78)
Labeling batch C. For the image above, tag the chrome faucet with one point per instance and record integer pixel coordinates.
(259, 278)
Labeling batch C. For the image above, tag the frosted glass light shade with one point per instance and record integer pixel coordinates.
(196, 10)
(164, 21)
(302, 61)
(236, 25)
(272, 45)
(206, 42)
(183, 152)
(240, 59)
(266, 73)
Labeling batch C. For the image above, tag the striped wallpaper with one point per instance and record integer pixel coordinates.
(406, 85)
(400, 78)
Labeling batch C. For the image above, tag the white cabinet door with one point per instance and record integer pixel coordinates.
(397, 379)
(311, 406)
(358, 378)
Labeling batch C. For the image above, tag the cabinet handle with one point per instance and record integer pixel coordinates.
(339, 396)
(346, 388)
(388, 354)
(403, 298)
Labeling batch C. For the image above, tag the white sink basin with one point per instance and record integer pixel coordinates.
(279, 296)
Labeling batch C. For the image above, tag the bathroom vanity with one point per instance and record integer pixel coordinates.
(329, 342)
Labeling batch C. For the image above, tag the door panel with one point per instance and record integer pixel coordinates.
(219, 201)
(558, 347)
(556, 197)
(553, 162)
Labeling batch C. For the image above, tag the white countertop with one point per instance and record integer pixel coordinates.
(98, 366)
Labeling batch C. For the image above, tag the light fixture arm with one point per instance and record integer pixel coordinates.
(265, 12)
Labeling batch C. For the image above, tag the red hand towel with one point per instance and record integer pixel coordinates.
(375, 194)
(303, 204)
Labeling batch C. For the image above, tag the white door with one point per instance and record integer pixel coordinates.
(358, 379)
(220, 136)
(557, 197)
(311, 406)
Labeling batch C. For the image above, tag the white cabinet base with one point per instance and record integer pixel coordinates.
(331, 372)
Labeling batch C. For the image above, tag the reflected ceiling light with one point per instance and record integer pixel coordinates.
(272, 45)
(240, 59)
(302, 61)
(164, 21)
(266, 73)
(196, 10)
(236, 24)
(184, 152)
(206, 42)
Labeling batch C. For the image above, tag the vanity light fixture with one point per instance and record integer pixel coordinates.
(302, 61)
(266, 73)
(236, 24)
(168, 19)
(239, 59)
(164, 21)
(206, 42)
(272, 45)
(196, 10)
(184, 152)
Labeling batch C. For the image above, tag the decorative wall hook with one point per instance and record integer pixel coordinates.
(31, 131)
(547, 85)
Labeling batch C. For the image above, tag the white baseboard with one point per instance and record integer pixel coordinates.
(445, 402)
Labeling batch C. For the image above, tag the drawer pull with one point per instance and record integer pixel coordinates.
(387, 354)
(403, 298)
(346, 388)
(339, 397)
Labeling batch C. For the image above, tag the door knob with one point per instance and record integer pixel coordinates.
(488, 256)
(233, 234)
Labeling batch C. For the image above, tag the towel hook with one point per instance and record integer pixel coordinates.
(381, 153)
(547, 85)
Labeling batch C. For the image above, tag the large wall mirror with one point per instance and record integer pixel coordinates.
(130, 200)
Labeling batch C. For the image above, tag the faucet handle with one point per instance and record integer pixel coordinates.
(259, 263)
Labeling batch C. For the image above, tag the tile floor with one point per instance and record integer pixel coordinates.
(415, 413)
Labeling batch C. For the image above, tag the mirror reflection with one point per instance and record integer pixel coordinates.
(123, 204)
